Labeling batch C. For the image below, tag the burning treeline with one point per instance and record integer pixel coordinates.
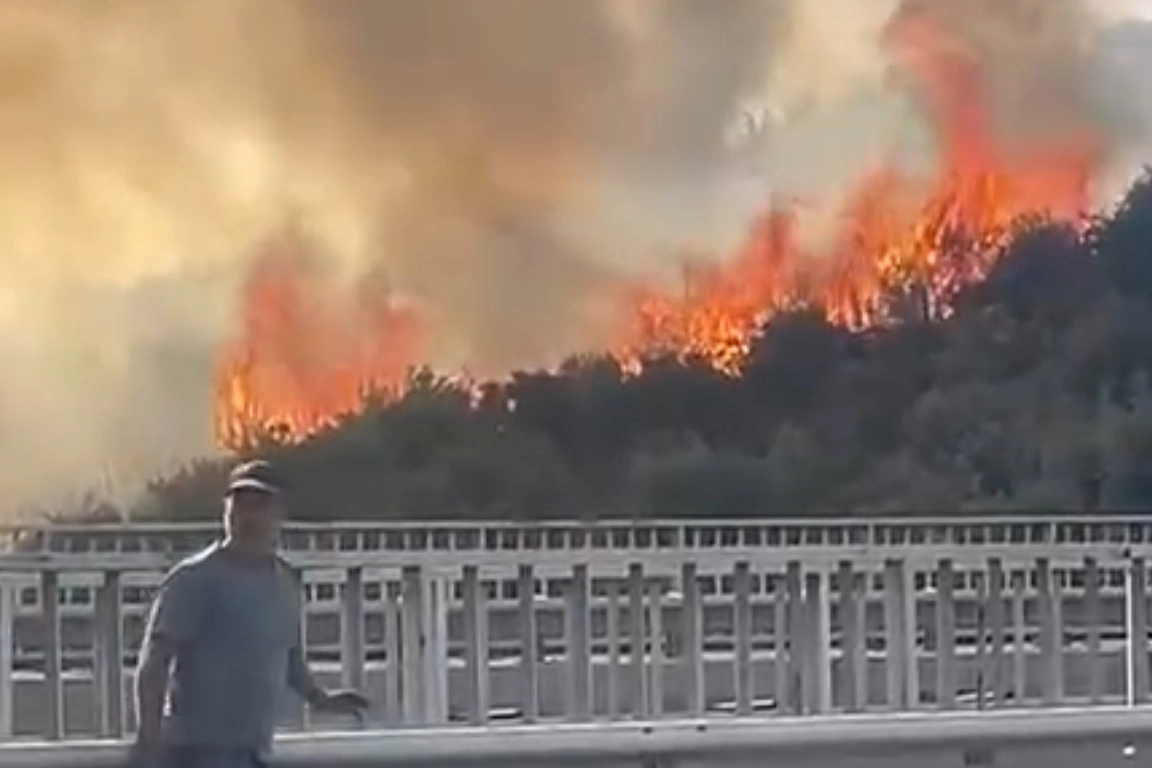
(1000, 86)
(234, 214)
(902, 243)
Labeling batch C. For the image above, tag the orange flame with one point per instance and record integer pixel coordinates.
(299, 362)
(923, 240)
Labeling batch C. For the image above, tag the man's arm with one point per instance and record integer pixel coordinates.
(301, 680)
(172, 624)
(152, 685)
(304, 683)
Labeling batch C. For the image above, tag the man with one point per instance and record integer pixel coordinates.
(222, 642)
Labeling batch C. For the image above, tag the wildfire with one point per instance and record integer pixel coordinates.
(901, 245)
(301, 361)
(900, 241)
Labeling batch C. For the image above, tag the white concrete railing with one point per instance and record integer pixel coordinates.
(421, 540)
(1067, 738)
(804, 625)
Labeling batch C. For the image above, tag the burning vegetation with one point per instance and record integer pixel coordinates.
(306, 357)
(903, 246)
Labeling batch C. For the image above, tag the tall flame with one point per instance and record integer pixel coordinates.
(901, 243)
(302, 360)
(921, 240)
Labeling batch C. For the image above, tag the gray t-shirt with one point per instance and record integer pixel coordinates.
(235, 628)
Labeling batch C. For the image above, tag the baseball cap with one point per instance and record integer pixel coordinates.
(256, 475)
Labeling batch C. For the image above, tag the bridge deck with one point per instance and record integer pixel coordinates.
(1102, 738)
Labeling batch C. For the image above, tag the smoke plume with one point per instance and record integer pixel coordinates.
(501, 163)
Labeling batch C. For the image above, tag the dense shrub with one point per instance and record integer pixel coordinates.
(1034, 394)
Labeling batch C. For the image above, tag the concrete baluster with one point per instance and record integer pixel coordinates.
(895, 651)
(638, 640)
(612, 641)
(578, 646)
(435, 666)
(742, 628)
(850, 639)
(413, 641)
(108, 656)
(945, 635)
(656, 643)
(1050, 651)
(1092, 619)
(797, 641)
(352, 629)
(1056, 670)
(7, 642)
(302, 713)
(475, 646)
(994, 610)
(529, 637)
(909, 635)
(820, 643)
(692, 652)
(1137, 626)
(53, 683)
(393, 670)
(1020, 637)
(780, 641)
(861, 592)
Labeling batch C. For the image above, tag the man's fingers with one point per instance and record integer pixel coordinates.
(353, 699)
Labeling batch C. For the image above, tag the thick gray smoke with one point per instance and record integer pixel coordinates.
(502, 162)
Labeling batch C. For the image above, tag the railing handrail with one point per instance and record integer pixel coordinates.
(1049, 517)
(598, 741)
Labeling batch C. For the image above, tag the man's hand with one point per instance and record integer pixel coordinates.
(344, 702)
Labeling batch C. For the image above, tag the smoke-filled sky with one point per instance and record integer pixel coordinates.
(502, 161)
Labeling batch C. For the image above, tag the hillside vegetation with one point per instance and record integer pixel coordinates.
(1036, 394)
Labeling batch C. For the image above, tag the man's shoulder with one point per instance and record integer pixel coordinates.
(211, 563)
(193, 565)
(289, 572)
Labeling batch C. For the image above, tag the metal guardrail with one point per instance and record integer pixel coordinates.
(942, 738)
